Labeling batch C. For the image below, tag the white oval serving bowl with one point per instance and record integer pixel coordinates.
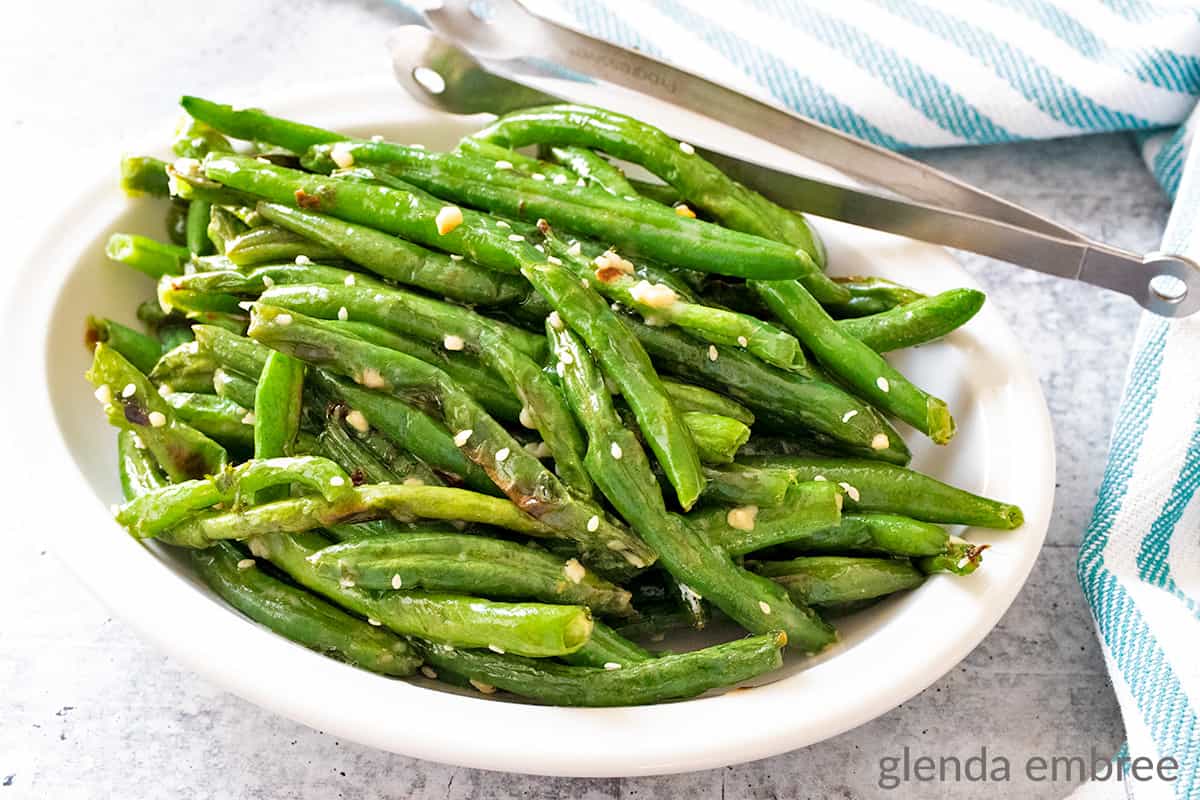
(886, 654)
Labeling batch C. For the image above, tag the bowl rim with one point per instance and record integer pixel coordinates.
(272, 672)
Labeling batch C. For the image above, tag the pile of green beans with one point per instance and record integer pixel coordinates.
(489, 415)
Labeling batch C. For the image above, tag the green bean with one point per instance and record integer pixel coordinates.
(607, 545)
(641, 229)
(223, 227)
(146, 255)
(196, 139)
(625, 363)
(593, 168)
(619, 466)
(240, 354)
(735, 485)
(855, 363)
(606, 647)
(662, 193)
(139, 349)
(614, 277)
(457, 329)
(920, 321)
(131, 403)
(507, 158)
(786, 399)
(184, 368)
(235, 388)
(871, 295)
(138, 471)
(651, 681)
(717, 438)
(369, 454)
(872, 486)
(467, 564)
(700, 183)
(176, 221)
(834, 580)
(144, 175)
(376, 501)
(152, 513)
(198, 218)
(277, 403)
(254, 125)
(397, 260)
(410, 428)
(528, 629)
(299, 616)
(270, 243)
(875, 532)
(216, 417)
(687, 397)
(809, 508)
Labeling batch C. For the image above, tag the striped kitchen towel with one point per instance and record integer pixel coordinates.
(923, 73)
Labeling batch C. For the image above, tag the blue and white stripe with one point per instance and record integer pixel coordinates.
(933, 73)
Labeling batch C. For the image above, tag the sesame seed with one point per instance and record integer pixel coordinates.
(883, 384)
(249, 419)
(462, 437)
(486, 688)
(742, 341)
(129, 390)
(516, 237)
(712, 352)
(742, 517)
(373, 621)
(343, 314)
(849, 415)
(357, 421)
(452, 342)
(585, 283)
(593, 524)
(611, 665)
(268, 281)
(686, 148)
(346, 583)
(764, 607)
(502, 164)
(559, 179)
(303, 260)
(820, 478)
(880, 441)
(850, 491)
(502, 454)
(580, 182)
(615, 449)
(103, 393)
(245, 563)
(283, 319)
(455, 257)
(539, 248)
(397, 581)
(537, 176)
(412, 480)
(526, 419)
(350, 280)
(502, 224)
(428, 672)
(555, 321)
(574, 570)
(495, 648)
(447, 219)
(157, 419)
(337, 480)
(372, 379)
(166, 389)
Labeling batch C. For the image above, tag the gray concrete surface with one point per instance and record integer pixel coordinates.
(89, 711)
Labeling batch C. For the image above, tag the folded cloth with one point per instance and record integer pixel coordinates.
(922, 73)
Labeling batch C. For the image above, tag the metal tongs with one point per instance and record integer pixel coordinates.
(479, 57)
